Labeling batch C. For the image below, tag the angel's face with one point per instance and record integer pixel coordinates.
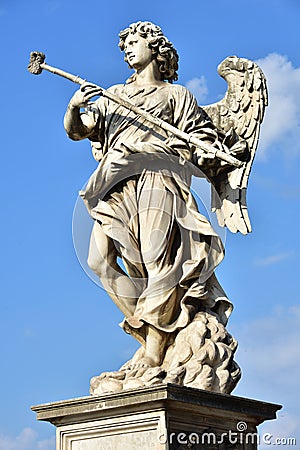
(137, 51)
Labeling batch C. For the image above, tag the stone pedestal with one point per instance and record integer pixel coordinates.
(159, 417)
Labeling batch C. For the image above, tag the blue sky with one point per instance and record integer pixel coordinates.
(58, 328)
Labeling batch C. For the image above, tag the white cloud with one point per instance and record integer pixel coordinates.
(269, 354)
(278, 336)
(26, 440)
(52, 6)
(286, 191)
(285, 427)
(198, 88)
(28, 332)
(273, 259)
(281, 126)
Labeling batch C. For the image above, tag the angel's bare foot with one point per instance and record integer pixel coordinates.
(138, 368)
(118, 375)
(152, 354)
(144, 362)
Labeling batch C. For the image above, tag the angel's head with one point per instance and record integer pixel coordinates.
(162, 50)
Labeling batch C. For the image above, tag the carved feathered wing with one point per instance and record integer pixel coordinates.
(241, 111)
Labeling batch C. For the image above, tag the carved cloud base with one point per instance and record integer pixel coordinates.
(163, 417)
(201, 356)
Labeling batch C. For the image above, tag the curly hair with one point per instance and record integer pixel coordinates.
(162, 49)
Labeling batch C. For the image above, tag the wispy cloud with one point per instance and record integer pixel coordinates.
(198, 87)
(29, 333)
(284, 428)
(287, 190)
(274, 259)
(26, 440)
(51, 6)
(269, 354)
(281, 127)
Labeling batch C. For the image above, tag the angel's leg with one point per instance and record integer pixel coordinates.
(157, 232)
(102, 260)
(155, 346)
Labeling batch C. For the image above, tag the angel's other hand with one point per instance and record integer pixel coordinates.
(204, 158)
(239, 149)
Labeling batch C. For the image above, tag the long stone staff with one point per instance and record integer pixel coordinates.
(37, 64)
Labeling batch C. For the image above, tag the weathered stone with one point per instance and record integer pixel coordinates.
(160, 417)
(150, 137)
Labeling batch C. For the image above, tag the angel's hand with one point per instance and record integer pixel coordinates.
(239, 149)
(204, 158)
(81, 97)
(80, 125)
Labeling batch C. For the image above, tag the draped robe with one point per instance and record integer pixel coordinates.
(140, 194)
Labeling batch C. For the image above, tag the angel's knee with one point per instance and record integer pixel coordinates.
(102, 253)
(96, 263)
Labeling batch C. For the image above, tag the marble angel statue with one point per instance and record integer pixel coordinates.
(145, 215)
